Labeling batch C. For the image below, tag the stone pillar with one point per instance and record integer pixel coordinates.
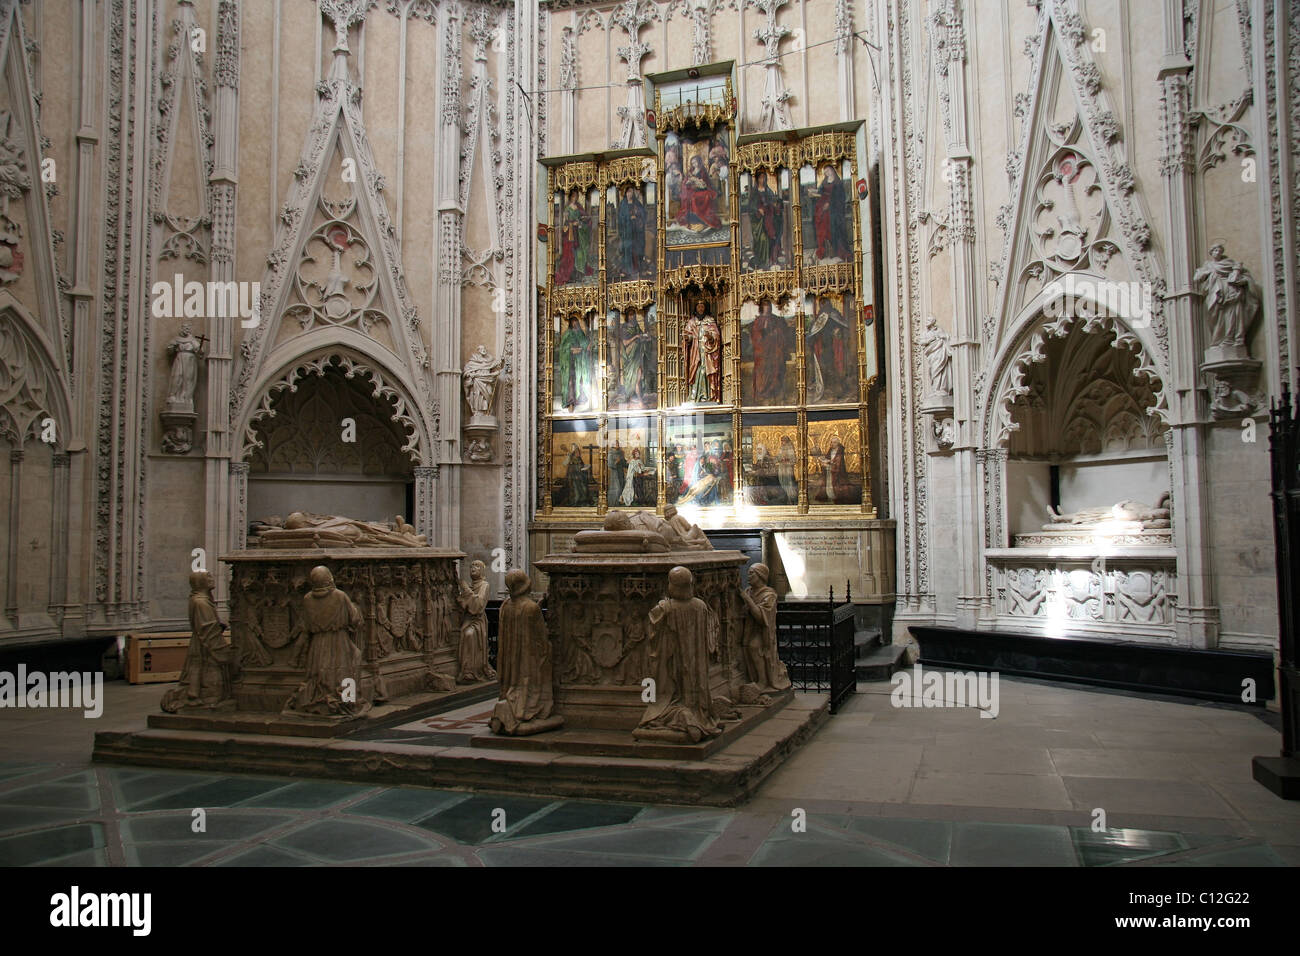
(1197, 621)
(218, 439)
(445, 528)
(426, 489)
(61, 476)
(15, 511)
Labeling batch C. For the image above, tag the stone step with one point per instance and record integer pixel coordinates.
(868, 638)
(881, 662)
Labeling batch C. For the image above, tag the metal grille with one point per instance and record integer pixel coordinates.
(815, 642)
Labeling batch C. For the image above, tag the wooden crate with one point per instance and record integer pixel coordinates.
(156, 658)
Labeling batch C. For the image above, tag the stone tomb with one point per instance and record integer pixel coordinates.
(409, 635)
(597, 611)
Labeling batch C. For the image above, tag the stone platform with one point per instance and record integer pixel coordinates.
(434, 757)
(598, 743)
(305, 725)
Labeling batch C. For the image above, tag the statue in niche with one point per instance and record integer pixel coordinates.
(302, 529)
(765, 667)
(1125, 516)
(186, 350)
(524, 659)
(210, 663)
(473, 601)
(685, 634)
(1231, 301)
(479, 379)
(331, 655)
(938, 358)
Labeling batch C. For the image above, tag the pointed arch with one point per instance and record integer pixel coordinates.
(349, 352)
(32, 386)
(1052, 315)
(337, 130)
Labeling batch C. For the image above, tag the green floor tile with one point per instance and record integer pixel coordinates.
(228, 826)
(308, 796)
(265, 856)
(532, 856)
(470, 821)
(1108, 847)
(653, 843)
(931, 839)
(137, 788)
(809, 849)
(578, 815)
(348, 841)
(47, 845)
(26, 818)
(52, 796)
(1011, 844)
(404, 804)
(170, 854)
(222, 792)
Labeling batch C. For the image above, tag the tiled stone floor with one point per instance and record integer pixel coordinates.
(876, 786)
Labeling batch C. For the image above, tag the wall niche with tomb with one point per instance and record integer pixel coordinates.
(1087, 493)
(331, 448)
(1085, 439)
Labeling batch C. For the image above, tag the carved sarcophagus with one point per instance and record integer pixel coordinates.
(409, 619)
(597, 611)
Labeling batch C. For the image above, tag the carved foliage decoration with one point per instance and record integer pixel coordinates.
(182, 236)
(1084, 399)
(1018, 381)
(27, 386)
(303, 435)
(400, 413)
(334, 281)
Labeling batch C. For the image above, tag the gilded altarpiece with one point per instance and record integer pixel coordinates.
(706, 339)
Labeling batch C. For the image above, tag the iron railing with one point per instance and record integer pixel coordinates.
(814, 640)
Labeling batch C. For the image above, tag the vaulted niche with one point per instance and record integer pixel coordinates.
(331, 448)
(1085, 440)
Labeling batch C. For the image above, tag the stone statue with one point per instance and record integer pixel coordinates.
(1231, 302)
(303, 529)
(479, 379)
(938, 357)
(1127, 515)
(765, 667)
(524, 663)
(331, 655)
(186, 350)
(1227, 402)
(684, 631)
(473, 600)
(688, 537)
(207, 673)
(642, 531)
